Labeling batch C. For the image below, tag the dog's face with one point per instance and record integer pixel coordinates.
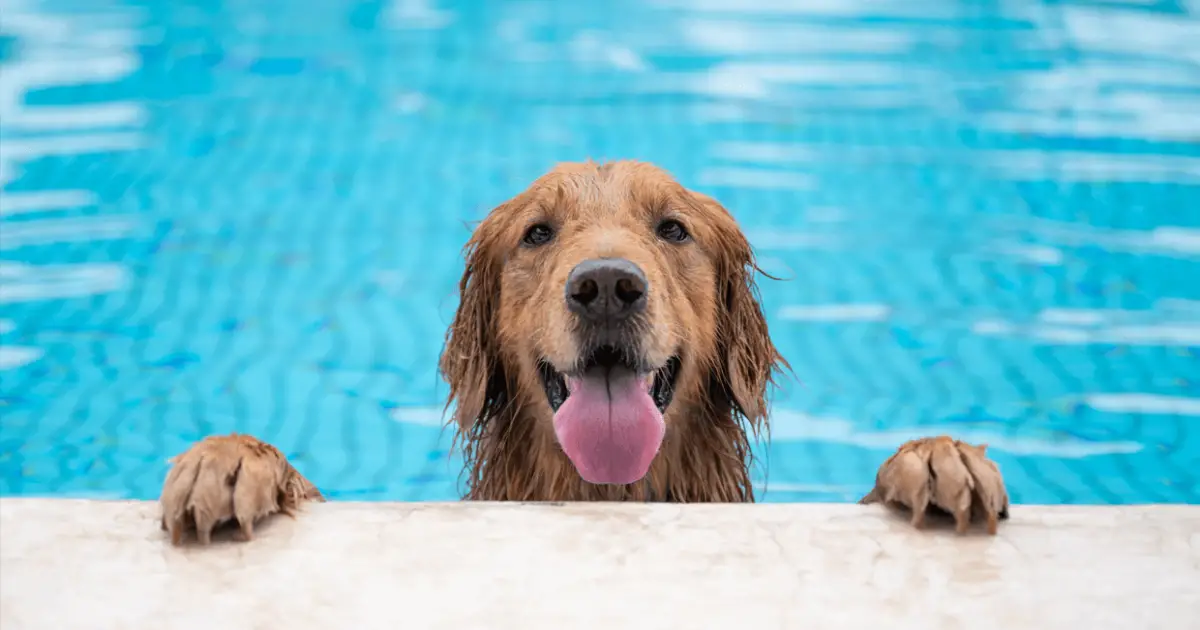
(608, 302)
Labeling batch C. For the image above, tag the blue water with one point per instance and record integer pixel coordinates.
(247, 216)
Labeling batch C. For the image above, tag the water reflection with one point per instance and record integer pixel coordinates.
(247, 216)
(55, 51)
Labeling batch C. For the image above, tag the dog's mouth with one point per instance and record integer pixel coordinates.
(608, 413)
(605, 361)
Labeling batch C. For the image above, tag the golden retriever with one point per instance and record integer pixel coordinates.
(608, 346)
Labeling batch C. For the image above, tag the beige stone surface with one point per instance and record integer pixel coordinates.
(95, 565)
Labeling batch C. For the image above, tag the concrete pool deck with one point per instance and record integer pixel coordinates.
(95, 565)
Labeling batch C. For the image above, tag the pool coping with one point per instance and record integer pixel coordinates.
(73, 563)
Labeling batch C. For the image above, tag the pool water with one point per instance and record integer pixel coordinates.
(247, 216)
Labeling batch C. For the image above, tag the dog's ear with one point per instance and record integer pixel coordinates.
(750, 359)
(471, 362)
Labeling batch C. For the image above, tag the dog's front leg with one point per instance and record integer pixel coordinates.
(229, 477)
(945, 473)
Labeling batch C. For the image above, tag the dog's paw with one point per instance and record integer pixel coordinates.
(944, 473)
(229, 477)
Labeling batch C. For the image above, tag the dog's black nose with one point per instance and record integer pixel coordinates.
(606, 289)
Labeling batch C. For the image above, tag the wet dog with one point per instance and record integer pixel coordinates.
(608, 346)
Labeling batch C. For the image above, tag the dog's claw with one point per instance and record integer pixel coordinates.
(229, 477)
(949, 474)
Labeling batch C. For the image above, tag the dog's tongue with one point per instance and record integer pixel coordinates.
(609, 426)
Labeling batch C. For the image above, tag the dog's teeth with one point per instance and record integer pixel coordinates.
(648, 381)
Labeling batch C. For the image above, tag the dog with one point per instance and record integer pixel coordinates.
(608, 345)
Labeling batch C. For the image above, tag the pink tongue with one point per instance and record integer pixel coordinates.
(609, 427)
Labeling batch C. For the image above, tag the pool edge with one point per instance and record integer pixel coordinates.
(87, 563)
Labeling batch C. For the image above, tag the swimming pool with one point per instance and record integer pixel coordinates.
(221, 216)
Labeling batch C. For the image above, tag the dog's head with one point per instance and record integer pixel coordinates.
(608, 302)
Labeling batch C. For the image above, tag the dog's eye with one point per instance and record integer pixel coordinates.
(539, 234)
(672, 230)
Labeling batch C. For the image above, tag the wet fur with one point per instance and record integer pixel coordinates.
(952, 476)
(227, 478)
(703, 304)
